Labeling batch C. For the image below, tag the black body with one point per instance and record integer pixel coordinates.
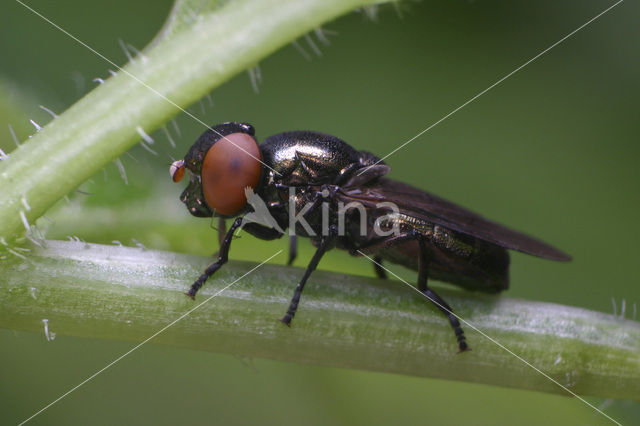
(437, 238)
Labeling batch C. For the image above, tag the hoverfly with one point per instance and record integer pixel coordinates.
(311, 176)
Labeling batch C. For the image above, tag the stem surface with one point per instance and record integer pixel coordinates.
(123, 293)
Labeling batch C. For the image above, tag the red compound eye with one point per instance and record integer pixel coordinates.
(176, 170)
(230, 165)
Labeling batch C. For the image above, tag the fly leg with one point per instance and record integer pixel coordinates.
(377, 266)
(325, 243)
(222, 230)
(423, 273)
(293, 249)
(293, 240)
(222, 259)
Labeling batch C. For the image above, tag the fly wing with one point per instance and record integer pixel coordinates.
(417, 203)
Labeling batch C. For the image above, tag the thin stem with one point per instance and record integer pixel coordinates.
(198, 50)
(112, 292)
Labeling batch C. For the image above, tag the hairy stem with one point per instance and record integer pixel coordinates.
(203, 44)
(122, 293)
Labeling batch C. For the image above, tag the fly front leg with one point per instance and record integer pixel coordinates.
(423, 274)
(222, 230)
(223, 257)
(325, 243)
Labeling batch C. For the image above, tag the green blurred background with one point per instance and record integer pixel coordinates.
(552, 151)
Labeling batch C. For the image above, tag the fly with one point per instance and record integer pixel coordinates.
(322, 188)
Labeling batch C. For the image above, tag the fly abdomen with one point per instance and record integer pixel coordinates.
(453, 242)
(443, 238)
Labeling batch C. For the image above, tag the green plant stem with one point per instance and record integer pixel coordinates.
(122, 293)
(196, 51)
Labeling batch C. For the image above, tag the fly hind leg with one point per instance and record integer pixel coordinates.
(423, 274)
